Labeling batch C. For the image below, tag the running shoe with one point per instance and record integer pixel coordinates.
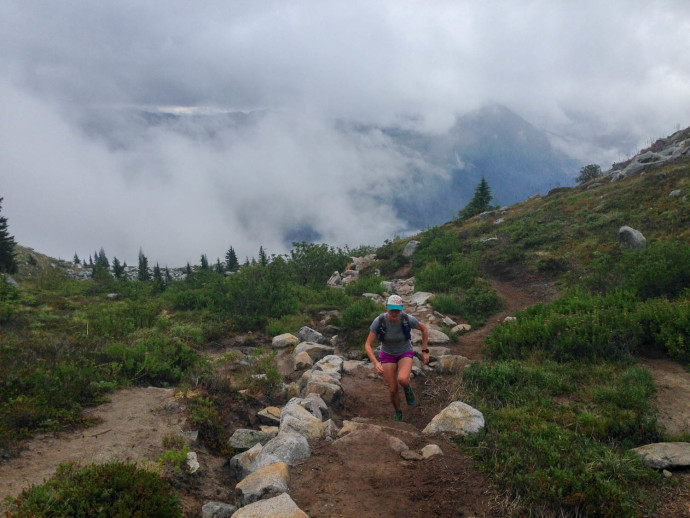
(409, 395)
(398, 416)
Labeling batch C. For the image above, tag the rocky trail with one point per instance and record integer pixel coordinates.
(363, 474)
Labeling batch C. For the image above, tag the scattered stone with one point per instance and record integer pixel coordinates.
(299, 420)
(436, 336)
(270, 480)
(314, 350)
(331, 365)
(451, 364)
(410, 455)
(509, 319)
(666, 473)
(303, 361)
(421, 297)
(457, 418)
(461, 328)
(674, 194)
(432, 450)
(269, 415)
(245, 438)
(285, 447)
(281, 506)
(664, 455)
(192, 462)
(335, 280)
(112, 296)
(630, 237)
(307, 334)
(217, 510)
(241, 464)
(410, 249)
(284, 340)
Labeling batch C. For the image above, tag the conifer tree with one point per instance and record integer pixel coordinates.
(204, 262)
(76, 259)
(479, 203)
(168, 277)
(188, 269)
(219, 267)
(263, 258)
(231, 263)
(158, 282)
(102, 260)
(143, 273)
(118, 269)
(8, 264)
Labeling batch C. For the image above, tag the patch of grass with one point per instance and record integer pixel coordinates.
(369, 284)
(557, 435)
(114, 489)
(474, 305)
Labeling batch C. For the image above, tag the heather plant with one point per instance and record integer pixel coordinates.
(595, 328)
(474, 305)
(558, 435)
(360, 314)
(113, 489)
(366, 284)
(156, 360)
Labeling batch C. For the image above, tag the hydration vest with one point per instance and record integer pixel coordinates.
(407, 330)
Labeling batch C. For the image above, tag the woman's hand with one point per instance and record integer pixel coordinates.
(425, 358)
(379, 368)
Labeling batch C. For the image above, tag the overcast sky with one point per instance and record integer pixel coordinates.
(593, 73)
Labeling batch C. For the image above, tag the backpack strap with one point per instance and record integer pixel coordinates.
(407, 329)
(381, 332)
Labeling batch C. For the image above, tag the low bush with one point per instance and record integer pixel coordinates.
(371, 284)
(444, 277)
(474, 305)
(114, 489)
(360, 314)
(155, 360)
(286, 324)
(558, 435)
(581, 326)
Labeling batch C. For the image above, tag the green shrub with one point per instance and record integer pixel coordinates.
(209, 422)
(580, 326)
(261, 376)
(360, 314)
(437, 244)
(286, 324)
(9, 300)
(114, 489)
(363, 285)
(156, 360)
(557, 435)
(661, 270)
(475, 304)
(443, 277)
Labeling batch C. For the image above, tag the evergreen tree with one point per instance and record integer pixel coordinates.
(168, 277)
(90, 262)
(8, 264)
(204, 262)
(143, 273)
(188, 269)
(84, 263)
(479, 203)
(118, 269)
(588, 172)
(158, 282)
(220, 267)
(102, 260)
(76, 259)
(263, 258)
(231, 263)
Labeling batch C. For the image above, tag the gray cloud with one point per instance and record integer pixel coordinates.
(603, 77)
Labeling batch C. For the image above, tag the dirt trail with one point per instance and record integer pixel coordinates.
(132, 426)
(365, 478)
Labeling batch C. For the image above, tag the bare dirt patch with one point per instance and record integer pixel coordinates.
(131, 426)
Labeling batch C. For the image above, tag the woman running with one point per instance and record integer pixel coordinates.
(393, 329)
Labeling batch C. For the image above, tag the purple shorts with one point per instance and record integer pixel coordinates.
(394, 358)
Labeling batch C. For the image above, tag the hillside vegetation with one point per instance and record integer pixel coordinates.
(562, 395)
